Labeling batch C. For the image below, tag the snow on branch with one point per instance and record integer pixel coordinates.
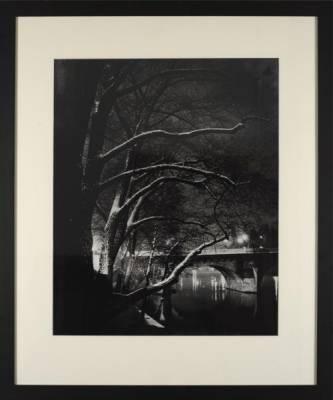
(160, 167)
(136, 209)
(160, 133)
(172, 278)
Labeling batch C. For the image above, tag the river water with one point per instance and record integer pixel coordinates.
(201, 303)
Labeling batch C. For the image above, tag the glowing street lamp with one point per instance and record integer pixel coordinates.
(242, 239)
(239, 240)
(245, 237)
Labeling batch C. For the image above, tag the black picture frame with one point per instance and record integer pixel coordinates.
(8, 12)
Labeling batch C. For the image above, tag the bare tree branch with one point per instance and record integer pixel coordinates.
(169, 115)
(150, 262)
(137, 224)
(136, 209)
(155, 99)
(172, 278)
(159, 133)
(123, 120)
(160, 167)
(216, 216)
(155, 184)
(163, 74)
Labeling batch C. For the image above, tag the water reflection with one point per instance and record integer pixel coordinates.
(202, 303)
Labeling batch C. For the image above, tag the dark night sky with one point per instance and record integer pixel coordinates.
(244, 87)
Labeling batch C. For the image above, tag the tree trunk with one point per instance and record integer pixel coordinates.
(114, 239)
(131, 261)
(116, 224)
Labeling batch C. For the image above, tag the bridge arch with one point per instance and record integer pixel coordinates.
(228, 274)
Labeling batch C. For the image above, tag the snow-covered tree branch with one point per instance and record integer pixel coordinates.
(160, 133)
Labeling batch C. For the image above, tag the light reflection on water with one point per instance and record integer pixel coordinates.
(201, 303)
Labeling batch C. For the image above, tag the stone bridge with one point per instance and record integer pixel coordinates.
(243, 269)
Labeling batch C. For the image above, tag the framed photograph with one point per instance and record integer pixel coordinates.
(166, 219)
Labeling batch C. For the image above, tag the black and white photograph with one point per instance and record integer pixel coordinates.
(166, 197)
